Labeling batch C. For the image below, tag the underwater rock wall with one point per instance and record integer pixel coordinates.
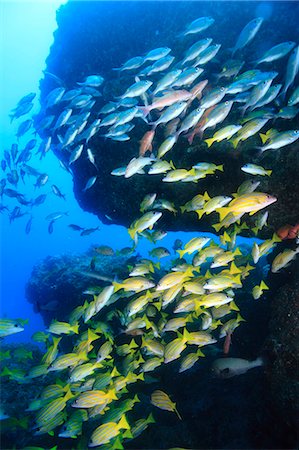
(85, 43)
(281, 347)
(57, 283)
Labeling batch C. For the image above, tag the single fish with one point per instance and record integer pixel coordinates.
(90, 182)
(292, 70)
(247, 34)
(253, 169)
(198, 25)
(163, 401)
(276, 52)
(230, 367)
(157, 53)
(10, 326)
(283, 259)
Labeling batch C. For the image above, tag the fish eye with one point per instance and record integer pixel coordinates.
(222, 89)
(226, 103)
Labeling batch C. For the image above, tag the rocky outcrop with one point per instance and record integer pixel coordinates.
(86, 43)
(58, 283)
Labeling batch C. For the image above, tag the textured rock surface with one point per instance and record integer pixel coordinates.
(85, 43)
(56, 285)
(282, 345)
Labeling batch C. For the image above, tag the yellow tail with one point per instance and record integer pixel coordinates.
(210, 141)
(200, 213)
(263, 137)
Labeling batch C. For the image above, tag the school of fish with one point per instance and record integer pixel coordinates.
(157, 315)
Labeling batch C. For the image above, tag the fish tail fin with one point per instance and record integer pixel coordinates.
(240, 318)
(206, 196)
(217, 227)
(200, 213)
(123, 423)
(234, 307)
(264, 286)
(172, 165)
(268, 172)
(234, 269)
(223, 212)
(117, 445)
(117, 286)
(237, 252)
(150, 419)
(183, 209)
(276, 238)
(132, 233)
(220, 167)
(209, 142)
(181, 253)
(264, 137)
(234, 142)
(75, 328)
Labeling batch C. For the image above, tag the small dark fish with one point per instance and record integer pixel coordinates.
(7, 157)
(28, 225)
(44, 123)
(57, 191)
(16, 214)
(14, 151)
(24, 156)
(24, 127)
(2, 186)
(39, 200)
(42, 180)
(126, 251)
(177, 245)
(75, 227)
(30, 170)
(51, 227)
(22, 174)
(21, 110)
(27, 98)
(22, 200)
(3, 208)
(3, 165)
(13, 177)
(88, 231)
(31, 144)
(92, 264)
(12, 193)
